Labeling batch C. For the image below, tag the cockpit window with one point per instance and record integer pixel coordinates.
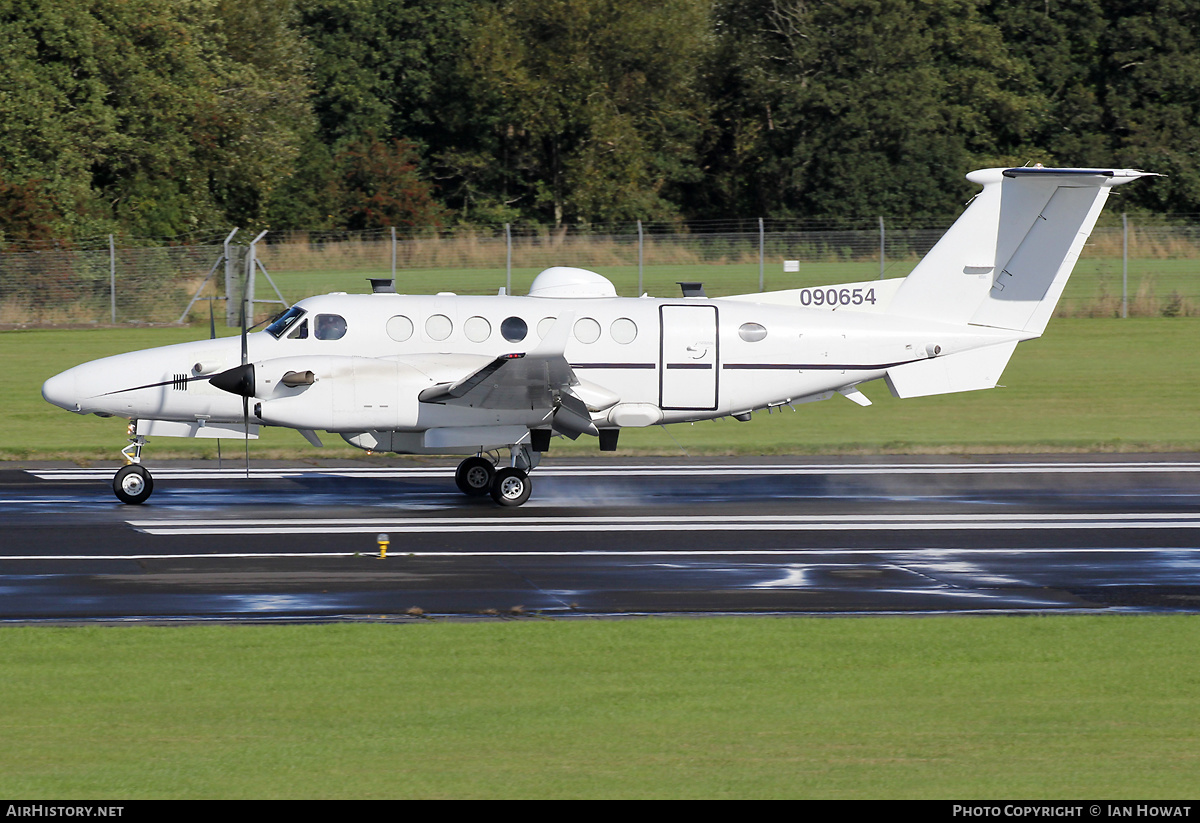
(285, 321)
(330, 327)
(301, 332)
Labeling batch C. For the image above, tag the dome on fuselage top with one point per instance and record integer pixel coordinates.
(565, 281)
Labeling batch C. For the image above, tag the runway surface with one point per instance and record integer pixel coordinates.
(606, 537)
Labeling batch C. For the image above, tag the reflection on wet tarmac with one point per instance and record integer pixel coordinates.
(599, 539)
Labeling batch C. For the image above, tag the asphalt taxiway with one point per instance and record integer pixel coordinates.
(605, 537)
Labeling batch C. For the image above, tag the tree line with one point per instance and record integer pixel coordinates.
(164, 117)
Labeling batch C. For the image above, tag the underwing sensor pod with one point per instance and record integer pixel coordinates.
(497, 377)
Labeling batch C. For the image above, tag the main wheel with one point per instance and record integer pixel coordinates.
(474, 476)
(133, 485)
(511, 487)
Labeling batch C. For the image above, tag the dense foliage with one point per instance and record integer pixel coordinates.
(160, 117)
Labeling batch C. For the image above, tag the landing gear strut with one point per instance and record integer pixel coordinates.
(133, 483)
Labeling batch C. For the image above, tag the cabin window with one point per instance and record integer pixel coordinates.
(329, 327)
(623, 330)
(544, 326)
(477, 329)
(514, 329)
(752, 332)
(587, 330)
(438, 327)
(285, 321)
(399, 328)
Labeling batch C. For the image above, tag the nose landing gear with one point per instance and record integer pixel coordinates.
(133, 483)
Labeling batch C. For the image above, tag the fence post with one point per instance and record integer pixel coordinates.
(1124, 265)
(251, 265)
(393, 257)
(881, 247)
(112, 278)
(508, 258)
(639, 288)
(760, 254)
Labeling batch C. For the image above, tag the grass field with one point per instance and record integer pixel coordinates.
(1022, 707)
(1088, 385)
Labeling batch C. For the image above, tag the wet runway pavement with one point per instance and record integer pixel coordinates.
(604, 537)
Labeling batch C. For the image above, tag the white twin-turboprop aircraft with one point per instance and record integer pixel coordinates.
(451, 374)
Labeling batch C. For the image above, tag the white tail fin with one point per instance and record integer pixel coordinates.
(1005, 261)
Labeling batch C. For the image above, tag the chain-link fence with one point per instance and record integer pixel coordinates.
(1143, 267)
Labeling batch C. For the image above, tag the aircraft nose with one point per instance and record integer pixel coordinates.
(62, 390)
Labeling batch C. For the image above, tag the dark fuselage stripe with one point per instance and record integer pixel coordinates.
(612, 365)
(817, 366)
(176, 383)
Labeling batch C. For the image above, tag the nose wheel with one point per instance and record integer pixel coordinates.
(133, 485)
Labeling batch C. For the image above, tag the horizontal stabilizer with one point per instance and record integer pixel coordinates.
(967, 371)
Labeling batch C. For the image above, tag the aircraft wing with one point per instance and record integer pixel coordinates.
(511, 381)
(539, 379)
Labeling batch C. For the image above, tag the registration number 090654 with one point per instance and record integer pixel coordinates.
(836, 297)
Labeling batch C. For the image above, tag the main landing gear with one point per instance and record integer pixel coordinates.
(133, 483)
(509, 486)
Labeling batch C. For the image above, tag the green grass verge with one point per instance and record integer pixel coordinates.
(1088, 385)
(1034, 707)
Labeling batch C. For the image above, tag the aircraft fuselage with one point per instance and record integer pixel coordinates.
(639, 361)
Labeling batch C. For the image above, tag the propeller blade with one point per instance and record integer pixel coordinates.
(244, 384)
(246, 423)
(245, 357)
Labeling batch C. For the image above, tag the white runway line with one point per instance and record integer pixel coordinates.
(748, 523)
(398, 554)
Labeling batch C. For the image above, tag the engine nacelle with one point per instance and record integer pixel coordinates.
(345, 393)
